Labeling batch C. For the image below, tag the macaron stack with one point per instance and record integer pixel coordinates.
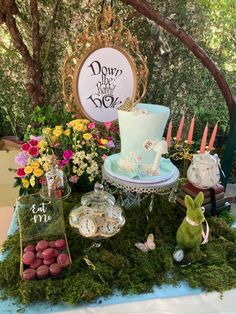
(45, 259)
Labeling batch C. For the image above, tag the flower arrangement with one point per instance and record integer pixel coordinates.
(79, 148)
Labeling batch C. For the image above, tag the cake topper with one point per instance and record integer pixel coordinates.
(128, 105)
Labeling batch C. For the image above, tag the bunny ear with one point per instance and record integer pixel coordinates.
(189, 202)
(199, 199)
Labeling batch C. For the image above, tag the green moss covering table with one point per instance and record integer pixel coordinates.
(127, 270)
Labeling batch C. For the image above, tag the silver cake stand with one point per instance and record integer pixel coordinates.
(168, 187)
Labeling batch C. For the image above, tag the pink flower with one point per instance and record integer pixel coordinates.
(67, 154)
(33, 142)
(104, 157)
(138, 158)
(25, 146)
(36, 138)
(110, 144)
(74, 179)
(21, 159)
(63, 163)
(20, 172)
(107, 124)
(33, 151)
(91, 125)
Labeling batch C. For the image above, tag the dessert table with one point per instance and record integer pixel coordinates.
(163, 300)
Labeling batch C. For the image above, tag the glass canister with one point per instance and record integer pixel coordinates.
(98, 216)
(204, 171)
(54, 184)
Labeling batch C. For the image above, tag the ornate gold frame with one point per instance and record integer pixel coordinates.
(107, 31)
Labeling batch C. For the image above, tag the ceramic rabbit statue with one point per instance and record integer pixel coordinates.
(189, 233)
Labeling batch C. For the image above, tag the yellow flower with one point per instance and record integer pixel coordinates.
(57, 132)
(78, 127)
(87, 136)
(58, 127)
(67, 132)
(38, 172)
(32, 181)
(28, 169)
(35, 165)
(46, 166)
(53, 139)
(42, 144)
(46, 131)
(104, 141)
(74, 122)
(25, 183)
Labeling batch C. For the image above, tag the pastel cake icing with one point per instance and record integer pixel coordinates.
(140, 127)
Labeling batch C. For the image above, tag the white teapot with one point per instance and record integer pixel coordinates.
(204, 171)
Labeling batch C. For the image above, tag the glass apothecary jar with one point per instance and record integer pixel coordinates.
(97, 216)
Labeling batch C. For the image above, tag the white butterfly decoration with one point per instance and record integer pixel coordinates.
(148, 245)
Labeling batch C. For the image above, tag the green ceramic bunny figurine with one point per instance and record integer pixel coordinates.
(189, 233)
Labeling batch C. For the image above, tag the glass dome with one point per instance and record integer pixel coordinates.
(98, 216)
(54, 184)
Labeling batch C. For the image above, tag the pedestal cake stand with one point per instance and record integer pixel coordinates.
(136, 192)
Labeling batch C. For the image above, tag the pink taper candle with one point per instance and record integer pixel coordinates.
(180, 129)
(204, 139)
(190, 133)
(169, 133)
(213, 136)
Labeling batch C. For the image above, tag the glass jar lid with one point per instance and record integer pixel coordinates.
(98, 198)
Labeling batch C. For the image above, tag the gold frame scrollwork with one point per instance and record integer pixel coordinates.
(107, 31)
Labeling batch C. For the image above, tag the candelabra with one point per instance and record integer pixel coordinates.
(181, 150)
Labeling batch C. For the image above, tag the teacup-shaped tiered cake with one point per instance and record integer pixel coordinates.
(141, 131)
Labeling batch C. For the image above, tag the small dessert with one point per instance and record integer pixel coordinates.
(63, 260)
(55, 269)
(42, 271)
(38, 262)
(52, 244)
(60, 244)
(39, 254)
(28, 258)
(56, 252)
(29, 248)
(42, 245)
(48, 262)
(48, 253)
(29, 274)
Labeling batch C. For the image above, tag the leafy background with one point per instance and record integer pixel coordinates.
(177, 79)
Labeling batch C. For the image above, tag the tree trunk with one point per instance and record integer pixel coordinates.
(35, 85)
(145, 9)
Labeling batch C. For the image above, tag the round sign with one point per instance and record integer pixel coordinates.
(104, 79)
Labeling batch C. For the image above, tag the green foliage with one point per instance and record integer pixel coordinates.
(177, 79)
(121, 265)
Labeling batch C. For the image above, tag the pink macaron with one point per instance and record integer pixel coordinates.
(48, 262)
(56, 252)
(42, 271)
(37, 262)
(63, 260)
(55, 269)
(48, 253)
(60, 244)
(29, 248)
(52, 244)
(39, 254)
(42, 245)
(29, 274)
(28, 258)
